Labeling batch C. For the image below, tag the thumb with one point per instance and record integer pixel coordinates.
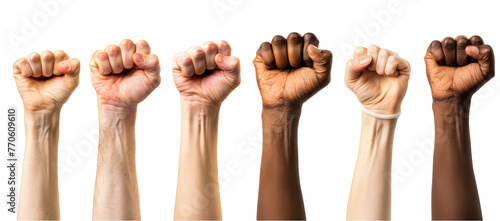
(230, 65)
(322, 59)
(486, 58)
(355, 67)
(70, 68)
(151, 66)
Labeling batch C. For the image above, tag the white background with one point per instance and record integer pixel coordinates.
(330, 122)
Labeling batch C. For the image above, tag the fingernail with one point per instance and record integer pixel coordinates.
(64, 66)
(316, 49)
(473, 50)
(364, 61)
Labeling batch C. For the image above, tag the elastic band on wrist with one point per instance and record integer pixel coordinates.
(380, 116)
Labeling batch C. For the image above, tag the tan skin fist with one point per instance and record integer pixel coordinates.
(207, 74)
(45, 81)
(290, 71)
(457, 68)
(124, 75)
(379, 79)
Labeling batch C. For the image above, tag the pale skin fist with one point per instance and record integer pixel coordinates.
(45, 81)
(290, 71)
(456, 68)
(124, 75)
(379, 79)
(206, 74)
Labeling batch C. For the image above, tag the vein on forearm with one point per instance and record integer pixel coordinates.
(370, 197)
(116, 193)
(197, 195)
(39, 187)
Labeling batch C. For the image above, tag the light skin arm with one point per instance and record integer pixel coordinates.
(39, 189)
(204, 75)
(122, 76)
(456, 68)
(370, 197)
(379, 79)
(45, 82)
(289, 71)
(197, 195)
(116, 193)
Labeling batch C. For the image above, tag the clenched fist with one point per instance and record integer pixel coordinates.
(379, 78)
(290, 71)
(206, 74)
(124, 75)
(456, 68)
(45, 81)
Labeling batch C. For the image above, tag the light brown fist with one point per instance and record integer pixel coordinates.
(45, 81)
(124, 75)
(290, 71)
(456, 68)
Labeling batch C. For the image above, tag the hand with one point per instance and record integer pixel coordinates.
(124, 75)
(45, 81)
(290, 71)
(379, 78)
(206, 74)
(456, 68)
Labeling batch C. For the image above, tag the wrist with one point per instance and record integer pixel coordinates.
(42, 118)
(190, 107)
(280, 116)
(451, 107)
(107, 110)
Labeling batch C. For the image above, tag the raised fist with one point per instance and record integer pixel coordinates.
(124, 75)
(45, 81)
(379, 78)
(290, 71)
(206, 74)
(456, 68)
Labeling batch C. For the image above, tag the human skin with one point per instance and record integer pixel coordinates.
(122, 76)
(45, 82)
(204, 75)
(456, 68)
(289, 72)
(379, 79)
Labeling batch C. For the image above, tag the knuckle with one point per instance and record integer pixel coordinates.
(112, 50)
(197, 52)
(33, 56)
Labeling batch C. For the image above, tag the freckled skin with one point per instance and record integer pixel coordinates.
(456, 69)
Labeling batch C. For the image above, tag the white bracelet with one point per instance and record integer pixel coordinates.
(380, 116)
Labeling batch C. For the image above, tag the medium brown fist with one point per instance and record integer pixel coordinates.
(290, 71)
(456, 68)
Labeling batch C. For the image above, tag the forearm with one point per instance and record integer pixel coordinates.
(280, 195)
(39, 197)
(197, 195)
(370, 196)
(116, 194)
(454, 190)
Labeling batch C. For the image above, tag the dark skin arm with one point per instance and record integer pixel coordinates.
(289, 71)
(456, 68)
